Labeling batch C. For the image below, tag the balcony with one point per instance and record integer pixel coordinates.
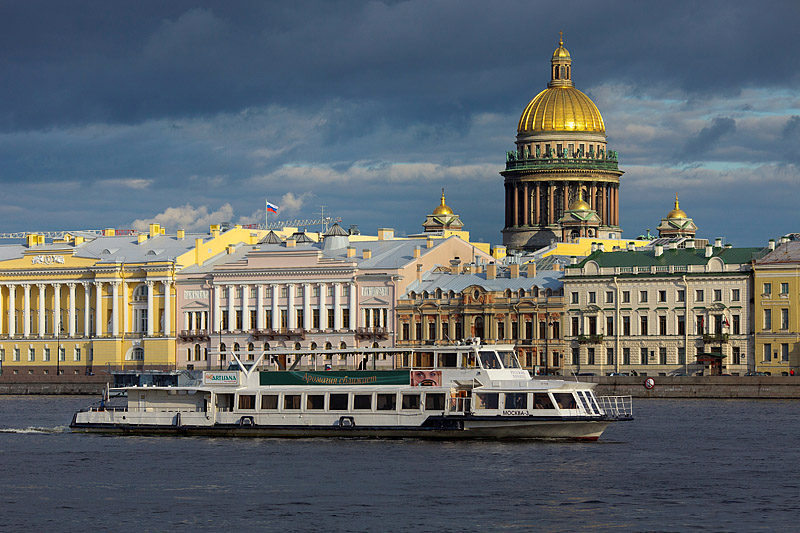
(607, 162)
(376, 333)
(194, 335)
(282, 334)
(590, 339)
(715, 338)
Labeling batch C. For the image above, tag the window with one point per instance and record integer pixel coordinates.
(224, 320)
(284, 291)
(315, 402)
(575, 326)
(784, 352)
(434, 401)
(387, 402)
(76, 355)
(736, 355)
(643, 325)
(62, 354)
(345, 318)
(253, 318)
(268, 318)
(239, 319)
(609, 297)
(300, 318)
(717, 295)
(284, 318)
(501, 329)
(736, 324)
(734, 295)
(681, 296)
(332, 319)
(330, 291)
(718, 322)
(45, 354)
(406, 332)
(642, 296)
(590, 356)
(431, 331)
(269, 401)
(767, 352)
(576, 356)
(592, 297)
(610, 325)
(315, 291)
(298, 291)
(488, 400)
(410, 401)
(515, 400)
(662, 355)
(767, 318)
(247, 401)
(626, 325)
(662, 296)
(681, 355)
(662, 325)
(784, 319)
(699, 295)
(315, 318)
(784, 289)
(626, 356)
(767, 289)
(681, 325)
(626, 297)
(573, 297)
(592, 325)
(700, 325)
(31, 354)
(643, 355)
(362, 402)
(609, 356)
(291, 401)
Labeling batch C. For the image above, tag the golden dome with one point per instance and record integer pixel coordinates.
(561, 109)
(579, 204)
(677, 212)
(442, 209)
(561, 52)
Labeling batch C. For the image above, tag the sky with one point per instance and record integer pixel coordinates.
(190, 113)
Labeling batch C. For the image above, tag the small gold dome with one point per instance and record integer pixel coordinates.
(677, 212)
(561, 52)
(561, 109)
(579, 204)
(442, 209)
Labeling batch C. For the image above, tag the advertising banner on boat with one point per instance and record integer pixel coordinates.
(220, 378)
(355, 377)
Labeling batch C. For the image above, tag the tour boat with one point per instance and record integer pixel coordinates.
(446, 392)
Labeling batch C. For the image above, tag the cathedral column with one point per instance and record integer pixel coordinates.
(167, 307)
(525, 210)
(551, 189)
(306, 306)
(593, 202)
(115, 309)
(276, 313)
(291, 317)
(260, 306)
(566, 197)
(515, 213)
(353, 308)
(12, 311)
(616, 205)
(56, 307)
(246, 325)
(537, 204)
(508, 204)
(231, 308)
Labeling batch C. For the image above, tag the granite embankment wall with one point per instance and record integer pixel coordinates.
(759, 387)
(79, 384)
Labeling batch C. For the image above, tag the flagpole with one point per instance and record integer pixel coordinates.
(266, 214)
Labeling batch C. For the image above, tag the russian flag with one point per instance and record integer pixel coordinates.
(272, 208)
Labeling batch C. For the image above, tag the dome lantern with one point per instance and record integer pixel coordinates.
(442, 209)
(561, 66)
(677, 212)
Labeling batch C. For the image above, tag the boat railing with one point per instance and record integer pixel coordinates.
(616, 406)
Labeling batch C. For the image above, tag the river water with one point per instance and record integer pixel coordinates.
(719, 465)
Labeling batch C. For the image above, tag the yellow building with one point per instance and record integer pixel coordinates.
(85, 302)
(776, 295)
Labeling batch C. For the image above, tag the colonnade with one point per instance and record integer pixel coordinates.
(52, 294)
(534, 203)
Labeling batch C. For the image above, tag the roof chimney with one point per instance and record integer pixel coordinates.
(728, 245)
(351, 251)
(214, 230)
(631, 247)
(601, 246)
(429, 243)
(594, 247)
(197, 244)
(659, 250)
(491, 271)
(417, 252)
(532, 269)
(231, 249)
(181, 234)
(690, 244)
(573, 260)
(155, 229)
(141, 238)
(718, 242)
(772, 244)
(290, 243)
(109, 232)
(367, 253)
(385, 234)
(513, 270)
(78, 240)
(709, 250)
(419, 272)
(455, 265)
(673, 245)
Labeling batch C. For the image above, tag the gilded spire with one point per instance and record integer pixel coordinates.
(677, 212)
(442, 209)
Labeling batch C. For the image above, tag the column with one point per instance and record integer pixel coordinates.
(337, 306)
(551, 189)
(231, 308)
(87, 290)
(306, 306)
(565, 188)
(616, 206)
(515, 213)
(259, 306)
(536, 203)
(115, 309)
(26, 310)
(593, 202)
(508, 205)
(1, 307)
(353, 305)
(71, 315)
(292, 322)
(217, 316)
(276, 313)
(246, 325)
(57, 308)
(125, 326)
(151, 316)
(12, 311)
(167, 308)
(98, 307)
(323, 315)
(42, 311)
(526, 215)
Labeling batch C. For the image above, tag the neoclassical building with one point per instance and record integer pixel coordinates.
(561, 150)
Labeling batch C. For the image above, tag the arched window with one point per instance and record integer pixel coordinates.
(343, 345)
(438, 293)
(140, 292)
(222, 354)
(196, 352)
(563, 71)
(136, 354)
(508, 293)
(522, 293)
(236, 348)
(424, 295)
(297, 346)
(313, 345)
(452, 294)
(251, 352)
(536, 292)
(266, 346)
(328, 346)
(412, 295)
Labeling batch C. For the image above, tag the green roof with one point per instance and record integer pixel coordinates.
(681, 256)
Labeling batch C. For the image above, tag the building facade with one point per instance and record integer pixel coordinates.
(659, 311)
(561, 153)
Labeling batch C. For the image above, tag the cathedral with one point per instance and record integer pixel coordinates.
(561, 181)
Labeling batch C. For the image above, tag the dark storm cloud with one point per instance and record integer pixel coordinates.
(706, 138)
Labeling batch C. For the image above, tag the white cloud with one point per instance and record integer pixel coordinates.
(187, 217)
(126, 183)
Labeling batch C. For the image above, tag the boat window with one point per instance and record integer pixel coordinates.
(423, 359)
(489, 360)
(509, 359)
(516, 400)
(247, 401)
(387, 402)
(315, 401)
(291, 401)
(565, 400)
(410, 401)
(587, 403)
(468, 360)
(590, 395)
(362, 401)
(269, 401)
(434, 401)
(541, 400)
(448, 360)
(488, 400)
(337, 402)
